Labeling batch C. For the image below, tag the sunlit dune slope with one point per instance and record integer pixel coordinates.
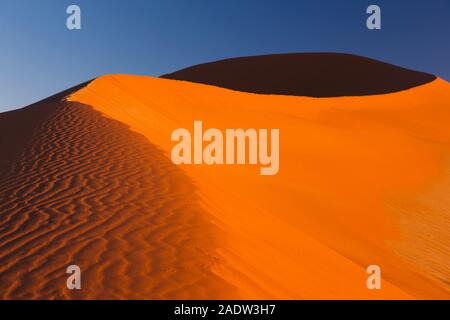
(362, 181)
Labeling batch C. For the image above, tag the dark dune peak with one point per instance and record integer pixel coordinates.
(305, 74)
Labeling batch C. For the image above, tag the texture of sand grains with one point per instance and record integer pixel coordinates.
(83, 189)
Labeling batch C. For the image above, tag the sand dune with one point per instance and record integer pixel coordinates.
(304, 74)
(86, 190)
(356, 185)
(89, 181)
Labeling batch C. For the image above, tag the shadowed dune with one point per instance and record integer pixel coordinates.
(78, 188)
(18, 126)
(304, 74)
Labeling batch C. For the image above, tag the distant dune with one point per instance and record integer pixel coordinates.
(305, 74)
(87, 179)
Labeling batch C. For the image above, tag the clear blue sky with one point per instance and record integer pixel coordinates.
(39, 56)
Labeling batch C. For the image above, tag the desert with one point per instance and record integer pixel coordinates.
(86, 178)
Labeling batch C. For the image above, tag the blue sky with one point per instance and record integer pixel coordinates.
(39, 56)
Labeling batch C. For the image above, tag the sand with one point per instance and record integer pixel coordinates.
(86, 190)
(89, 181)
(312, 74)
(351, 167)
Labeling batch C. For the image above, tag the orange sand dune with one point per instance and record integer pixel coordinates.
(78, 188)
(362, 181)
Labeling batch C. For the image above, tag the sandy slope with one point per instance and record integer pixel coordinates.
(78, 188)
(363, 180)
(311, 74)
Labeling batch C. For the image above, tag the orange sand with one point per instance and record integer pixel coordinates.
(362, 181)
(86, 190)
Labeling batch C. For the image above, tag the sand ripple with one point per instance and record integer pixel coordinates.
(79, 188)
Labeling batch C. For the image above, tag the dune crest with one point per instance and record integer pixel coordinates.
(351, 169)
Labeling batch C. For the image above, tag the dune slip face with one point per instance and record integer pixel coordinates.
(78, 188)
